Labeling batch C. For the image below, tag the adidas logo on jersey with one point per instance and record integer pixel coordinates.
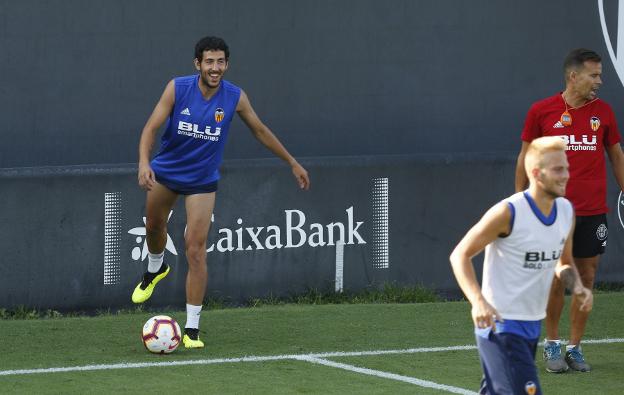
(185, 111)
(558, 125)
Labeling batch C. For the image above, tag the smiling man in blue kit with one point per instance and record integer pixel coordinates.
(198, 110)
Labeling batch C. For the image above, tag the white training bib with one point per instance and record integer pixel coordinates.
(518, 269)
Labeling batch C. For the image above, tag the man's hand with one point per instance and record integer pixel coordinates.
(585, 297)
(301, 175)
(147, 179)
(483, 314)
(569, 276)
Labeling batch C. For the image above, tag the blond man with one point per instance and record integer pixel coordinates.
(527, 241)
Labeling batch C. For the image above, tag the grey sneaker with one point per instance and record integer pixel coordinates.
(553, 359)
(574, 358)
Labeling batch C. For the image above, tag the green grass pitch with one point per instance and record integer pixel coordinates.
(294, 330)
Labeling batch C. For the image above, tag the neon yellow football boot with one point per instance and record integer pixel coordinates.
(190, 343)
(144, 290)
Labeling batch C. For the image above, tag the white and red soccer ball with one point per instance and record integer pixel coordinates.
(161, 334)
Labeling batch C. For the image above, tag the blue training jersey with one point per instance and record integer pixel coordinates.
(192, 144)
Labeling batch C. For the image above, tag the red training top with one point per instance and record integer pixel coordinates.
(593, 128)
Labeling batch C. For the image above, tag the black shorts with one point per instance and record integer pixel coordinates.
(187, 190)
(590, 236)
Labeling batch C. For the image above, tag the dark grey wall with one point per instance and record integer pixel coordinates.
(58, 246)
(352, 77)
(332, 78)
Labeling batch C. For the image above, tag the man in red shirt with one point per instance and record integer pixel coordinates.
(587, 124)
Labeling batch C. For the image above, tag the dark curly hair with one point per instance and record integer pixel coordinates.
(211, 43)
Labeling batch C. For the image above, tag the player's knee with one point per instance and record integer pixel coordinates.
(587, 274)
(588, 279)
(195, 250)
(154, 227)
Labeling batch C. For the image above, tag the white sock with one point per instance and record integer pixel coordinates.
(154, 261)
(192, 316)
(570, 346)
(557, 341)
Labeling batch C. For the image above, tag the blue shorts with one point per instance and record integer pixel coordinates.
(186, 190)
(508, 363)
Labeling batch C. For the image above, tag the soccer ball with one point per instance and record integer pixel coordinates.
(161, 334)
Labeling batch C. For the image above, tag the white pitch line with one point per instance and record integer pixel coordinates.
(385, 352)
(600, 341)
(386, 375)
(134, 365)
